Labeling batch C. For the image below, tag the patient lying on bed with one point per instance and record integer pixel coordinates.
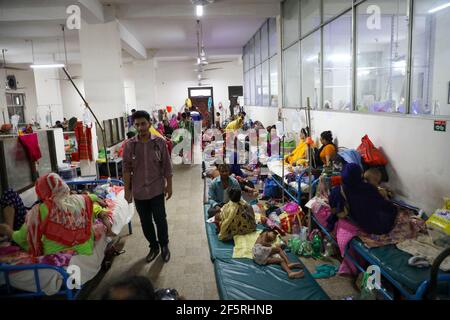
(264, 253)
(62, 222)
(102, 212)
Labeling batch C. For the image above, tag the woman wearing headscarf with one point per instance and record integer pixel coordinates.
(362, 203)
(327, 151)
(62, 220)
(299, 155)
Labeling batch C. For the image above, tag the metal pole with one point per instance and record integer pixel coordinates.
(282, 167)
(409, 62)
(95, 117)
(308, 105)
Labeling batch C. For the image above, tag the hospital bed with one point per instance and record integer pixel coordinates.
(242, 279)
(37, 280)
(410, 282)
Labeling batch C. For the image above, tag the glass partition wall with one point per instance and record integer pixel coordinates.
(386, 56)
(260, 67)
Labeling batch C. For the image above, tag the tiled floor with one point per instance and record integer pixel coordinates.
(190, 270)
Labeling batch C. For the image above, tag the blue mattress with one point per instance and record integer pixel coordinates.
(242, 279)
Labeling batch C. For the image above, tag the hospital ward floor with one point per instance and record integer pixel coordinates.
(190, 269)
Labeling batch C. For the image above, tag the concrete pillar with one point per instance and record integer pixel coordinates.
(101, 61)
(145, 82)
(48, 95)
(3, 108)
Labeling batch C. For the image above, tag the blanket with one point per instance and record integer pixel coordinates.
(243, 245)
(407, 226)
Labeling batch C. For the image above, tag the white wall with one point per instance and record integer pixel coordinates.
(48, 93)
(101, 61)
(73, 105)
(418, 156)
(25, 80)
(129, 86)
(144, 84)
(174, 78)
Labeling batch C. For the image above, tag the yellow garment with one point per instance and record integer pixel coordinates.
(328, 150)
(234, 125)
(155, 132)
(298, 156)
(236, 218)
(243, 244)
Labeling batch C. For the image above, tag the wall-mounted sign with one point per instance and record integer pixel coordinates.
(440, 125)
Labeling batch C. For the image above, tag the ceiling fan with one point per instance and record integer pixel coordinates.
(65, 57)
(202, 59)
(4, 66)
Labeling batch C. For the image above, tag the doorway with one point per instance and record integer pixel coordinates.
(202, 98)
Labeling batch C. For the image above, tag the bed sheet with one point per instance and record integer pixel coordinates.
(51, 281)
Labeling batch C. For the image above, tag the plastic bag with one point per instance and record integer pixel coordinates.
(371, 155)
(440, 220)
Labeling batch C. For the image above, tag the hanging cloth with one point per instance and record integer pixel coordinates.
(84, 141)
(31, 145)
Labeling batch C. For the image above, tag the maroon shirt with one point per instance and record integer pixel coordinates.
(149, 163)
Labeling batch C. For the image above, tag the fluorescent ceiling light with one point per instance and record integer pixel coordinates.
(46, 66)
(439, 8)
(311, 59)
(199, 11)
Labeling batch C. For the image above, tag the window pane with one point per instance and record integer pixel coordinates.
(430, 54)
(309, 15)
(252, 87)
(273, 42)
(337, 64)
(381, 56)
(265, 84)
(290, 22)
(257, 48)
(292, 76)
(274, 81)
(247, 88)
(311, 69)
(332, 8)
(251, 53)
(264, 42)
(9, 100)
(258, 85)
(245, 58)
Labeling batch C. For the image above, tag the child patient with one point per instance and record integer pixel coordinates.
(102, 212)
(264, 253)
(374, 177)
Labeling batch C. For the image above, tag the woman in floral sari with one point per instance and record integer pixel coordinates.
(63, 221)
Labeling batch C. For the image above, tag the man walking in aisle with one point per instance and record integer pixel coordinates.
(147, 173)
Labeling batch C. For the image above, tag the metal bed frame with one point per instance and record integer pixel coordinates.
(420, 292)
(70, 294)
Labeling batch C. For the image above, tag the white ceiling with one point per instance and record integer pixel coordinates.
(169, 26)
(218, 32)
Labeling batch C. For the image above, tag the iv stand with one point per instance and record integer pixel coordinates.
(308, 121)
(95, 117)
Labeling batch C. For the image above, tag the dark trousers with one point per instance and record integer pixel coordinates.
(149, 210)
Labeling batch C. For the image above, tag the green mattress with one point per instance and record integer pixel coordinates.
(242, 279)
(395, 262)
